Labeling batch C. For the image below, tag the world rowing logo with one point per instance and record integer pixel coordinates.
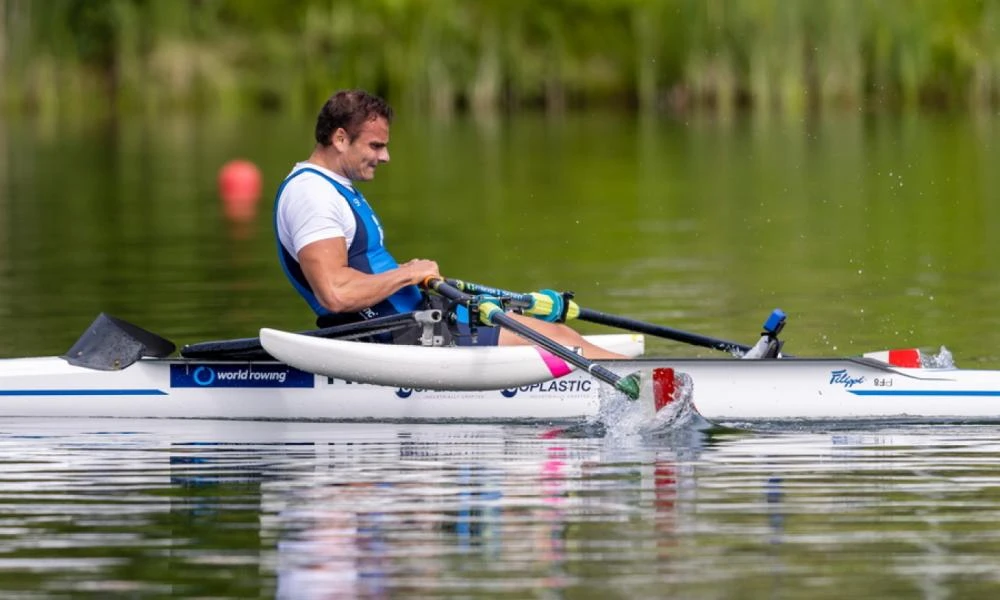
(238, 376)
(841, 377)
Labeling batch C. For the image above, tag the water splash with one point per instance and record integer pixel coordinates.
(623, 418)
(942, 360)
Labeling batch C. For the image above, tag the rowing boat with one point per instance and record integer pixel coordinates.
(723, 390)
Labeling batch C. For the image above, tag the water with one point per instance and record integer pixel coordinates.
(870, 232)
(217, 509)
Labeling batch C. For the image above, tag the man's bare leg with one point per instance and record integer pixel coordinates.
(557, 332)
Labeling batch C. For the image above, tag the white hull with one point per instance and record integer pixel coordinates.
(724, 391)
(733, 390)
(169, 388)
(439, 368)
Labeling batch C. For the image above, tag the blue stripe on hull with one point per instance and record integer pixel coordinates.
(118, 392)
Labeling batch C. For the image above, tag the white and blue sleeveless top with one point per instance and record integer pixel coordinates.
(314, 203)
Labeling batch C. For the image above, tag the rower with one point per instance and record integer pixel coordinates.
(332, 247)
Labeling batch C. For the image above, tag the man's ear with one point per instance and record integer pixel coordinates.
(340, 139)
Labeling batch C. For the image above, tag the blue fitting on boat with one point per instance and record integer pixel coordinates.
(775, 322)
(557, 306)
(462, 312)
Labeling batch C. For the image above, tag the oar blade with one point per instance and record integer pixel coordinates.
(630, 385)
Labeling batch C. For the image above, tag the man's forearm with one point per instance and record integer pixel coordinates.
(357, 291)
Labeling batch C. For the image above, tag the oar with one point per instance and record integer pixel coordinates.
(602, 318)
(572, 310)
(492, 314)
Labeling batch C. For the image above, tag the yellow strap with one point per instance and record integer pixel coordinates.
(573, 311)
(486, 312)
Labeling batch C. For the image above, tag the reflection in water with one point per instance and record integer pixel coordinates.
(340, 538)
(330, 552)
(235, 510)
(6, 191)
(706, 216)
(773, 496)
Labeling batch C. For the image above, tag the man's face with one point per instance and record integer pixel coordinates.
(371, 148)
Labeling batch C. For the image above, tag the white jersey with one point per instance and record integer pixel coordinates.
(310, 209)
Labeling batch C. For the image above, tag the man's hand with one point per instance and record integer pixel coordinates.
(419, 269)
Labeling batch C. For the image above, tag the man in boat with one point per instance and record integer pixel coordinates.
(331, 243)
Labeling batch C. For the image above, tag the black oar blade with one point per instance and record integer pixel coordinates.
(111, 344)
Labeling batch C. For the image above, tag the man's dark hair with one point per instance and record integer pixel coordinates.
(349, 109)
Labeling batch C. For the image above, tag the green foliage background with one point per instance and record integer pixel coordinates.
(439, 56)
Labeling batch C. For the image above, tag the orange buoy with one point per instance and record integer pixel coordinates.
(239, 181)
(239, 188)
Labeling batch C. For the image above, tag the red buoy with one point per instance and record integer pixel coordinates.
(239, 188)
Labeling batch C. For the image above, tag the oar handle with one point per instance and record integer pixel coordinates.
(547, 305)
(494, 315)
(477, 288)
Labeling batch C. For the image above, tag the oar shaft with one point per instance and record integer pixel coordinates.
(559, 350)
(595, 316)
(602, 318)
(500, 318)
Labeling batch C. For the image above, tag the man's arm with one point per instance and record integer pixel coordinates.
(341, 289)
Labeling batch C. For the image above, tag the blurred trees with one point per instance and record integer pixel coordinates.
(487, 55)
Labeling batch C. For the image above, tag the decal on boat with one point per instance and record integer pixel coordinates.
(239, 376)
(557, 385)
(428, 394)
(842, 377)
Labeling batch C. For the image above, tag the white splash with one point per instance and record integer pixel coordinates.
(624, 418)
(942, 360)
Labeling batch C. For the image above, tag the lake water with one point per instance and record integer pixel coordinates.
(871, 232)
(299, 510)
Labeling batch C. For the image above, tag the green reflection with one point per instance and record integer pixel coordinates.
(868, 233)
